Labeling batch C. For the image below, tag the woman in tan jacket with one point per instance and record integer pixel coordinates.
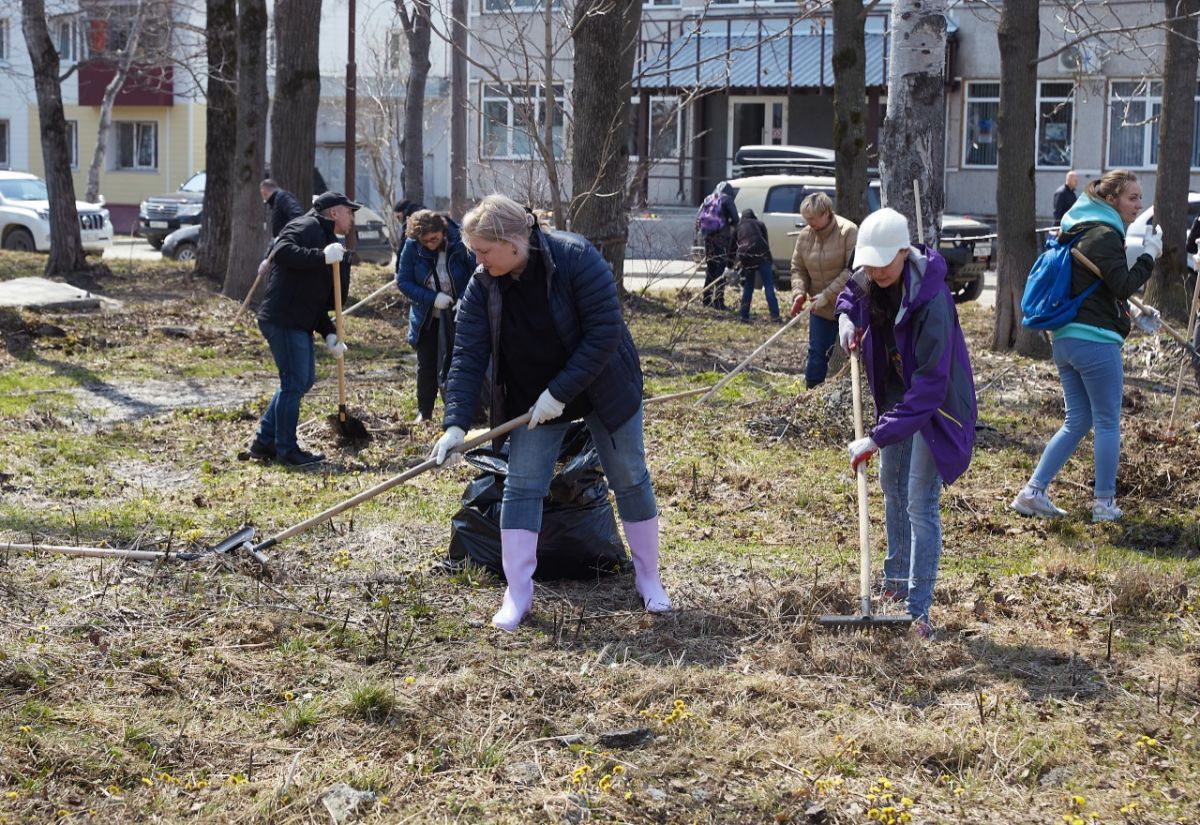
(820, 268)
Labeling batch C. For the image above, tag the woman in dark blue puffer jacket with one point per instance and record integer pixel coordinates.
(433, 271)
(542, 313)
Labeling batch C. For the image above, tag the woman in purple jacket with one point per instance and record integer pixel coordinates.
(898, 309)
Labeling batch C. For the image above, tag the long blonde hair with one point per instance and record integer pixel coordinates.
(498, 218)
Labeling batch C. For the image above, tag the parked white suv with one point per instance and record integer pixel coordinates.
(25, 216)
(1136, 233)
(964, 242)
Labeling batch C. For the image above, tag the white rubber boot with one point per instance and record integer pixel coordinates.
(643, 547)
(518, 551)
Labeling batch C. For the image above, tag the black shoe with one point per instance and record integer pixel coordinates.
(261, 451)
(300, 458)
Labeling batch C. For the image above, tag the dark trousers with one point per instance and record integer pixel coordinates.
(428, 361)
(714, 283)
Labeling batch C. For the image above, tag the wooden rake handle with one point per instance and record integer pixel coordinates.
(746, 361)
(337, 314)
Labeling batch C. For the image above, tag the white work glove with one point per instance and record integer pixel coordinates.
(818, 302)
(861, 449)
(336, 348)
(443, 301)
(546, 408)
(1152, 241)
(264, 267)
(1148, 319)
(847, 333)
(450, 441)
(334, 253)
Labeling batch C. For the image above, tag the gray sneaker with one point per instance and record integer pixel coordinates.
(1105, 510)
(1030, 502)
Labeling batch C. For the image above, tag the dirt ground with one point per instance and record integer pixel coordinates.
(1064, 685)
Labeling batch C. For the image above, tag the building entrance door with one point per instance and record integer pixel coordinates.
(755, 121)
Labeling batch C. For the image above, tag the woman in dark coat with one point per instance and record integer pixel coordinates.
(433, 270)
(541, 320)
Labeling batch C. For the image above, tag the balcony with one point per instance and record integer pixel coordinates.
(144, 86)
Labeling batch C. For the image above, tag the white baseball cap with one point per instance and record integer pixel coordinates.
(880, 237)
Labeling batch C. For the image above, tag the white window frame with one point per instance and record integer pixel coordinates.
(502, 6)
(1061, 101)
(491, 93)
(651, 5)
(5, 144)
(73, 142)
(677, 114)
(138, 126)
(968, 99)
(1143, 93)
(69, 24)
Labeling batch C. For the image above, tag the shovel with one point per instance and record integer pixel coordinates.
(345, 426)
(255, 551)
(865, 619)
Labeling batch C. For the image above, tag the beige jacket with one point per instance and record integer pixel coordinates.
(821, 262)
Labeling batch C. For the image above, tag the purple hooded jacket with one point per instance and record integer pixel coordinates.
(939, 401)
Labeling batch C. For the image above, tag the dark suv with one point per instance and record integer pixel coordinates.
(161, 215)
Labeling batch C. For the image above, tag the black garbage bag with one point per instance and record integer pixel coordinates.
(579, 537)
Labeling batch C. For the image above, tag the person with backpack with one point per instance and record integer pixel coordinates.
(716, 222)
(897, 309)
(1087, 348)
(754, 257)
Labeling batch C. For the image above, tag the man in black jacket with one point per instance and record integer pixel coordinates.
(299, 297)
(1065, 196)
(282, 203)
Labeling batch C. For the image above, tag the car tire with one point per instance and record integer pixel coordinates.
(185, 252)
(969, 291)
(19, 240)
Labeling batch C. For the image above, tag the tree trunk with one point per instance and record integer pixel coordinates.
(458, 110)
(849, 108)
(1166, 289)
(913, 144)
(216, 222)
(298, 89)
(606, 37)
(249, 236)
(1016, 235)
(66, 243)
(417, 30)
(121, 71)
(549, 109)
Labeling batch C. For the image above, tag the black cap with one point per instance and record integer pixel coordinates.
(327, 199)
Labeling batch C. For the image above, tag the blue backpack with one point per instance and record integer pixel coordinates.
(1047, 302)
(712, 215)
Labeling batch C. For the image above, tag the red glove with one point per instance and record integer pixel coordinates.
(798, 304)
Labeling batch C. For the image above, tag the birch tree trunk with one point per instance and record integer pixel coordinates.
(66, 243)
(458, 110)
(1166, 290)
(248, 237)
(120, 72)
(849, 108)
(913, 145)
(298, 89)
(216, 223)
(606, 37)
(1017, 240)
(417, 31)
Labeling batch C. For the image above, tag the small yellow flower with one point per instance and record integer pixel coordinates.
(25, 729)
(408, 680)
(63, 813)
(618, 770)
(628, 795)
(288, 696)
(11, 795)
(906, 802)
(383, 800)
(147, 781)
(960, 789)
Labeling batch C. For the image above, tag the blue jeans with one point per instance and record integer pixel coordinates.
(531, 458)
(822, 335)
(295, 359)
(912, 492)
(767, 272)
(1092, 378)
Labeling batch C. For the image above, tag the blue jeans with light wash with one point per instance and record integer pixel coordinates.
(822, 335)
(1092, 378)
(296, 361)
(767, 273)
(912, 493)
(533, 453)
